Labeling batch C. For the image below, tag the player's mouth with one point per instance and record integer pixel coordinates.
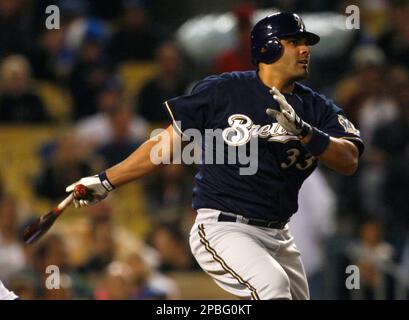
(303, 62)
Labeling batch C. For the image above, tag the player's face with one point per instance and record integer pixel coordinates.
(293, 64)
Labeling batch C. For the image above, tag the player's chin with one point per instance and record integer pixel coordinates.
(303, 71)
(301, 75)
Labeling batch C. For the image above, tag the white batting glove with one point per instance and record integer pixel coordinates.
(98, 188)
(287, 117)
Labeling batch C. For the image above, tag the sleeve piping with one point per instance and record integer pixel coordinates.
(175, 125)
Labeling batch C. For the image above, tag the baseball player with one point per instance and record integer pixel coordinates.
(6, 294)
(240, 236)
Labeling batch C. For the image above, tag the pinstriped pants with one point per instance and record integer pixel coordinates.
(249, 262)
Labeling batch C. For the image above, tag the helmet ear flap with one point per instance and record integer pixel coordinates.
(271, 51)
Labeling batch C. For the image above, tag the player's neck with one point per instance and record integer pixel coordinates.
(273, 79)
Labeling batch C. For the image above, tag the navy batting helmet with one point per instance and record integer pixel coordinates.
(266, 35)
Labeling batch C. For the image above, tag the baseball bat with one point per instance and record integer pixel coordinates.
(38, 228)
(35, 230)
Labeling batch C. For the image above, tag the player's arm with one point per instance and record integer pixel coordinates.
(142, 161)
(338, 154)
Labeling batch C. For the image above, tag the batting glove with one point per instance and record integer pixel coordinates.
(98, 188)
(287, 117)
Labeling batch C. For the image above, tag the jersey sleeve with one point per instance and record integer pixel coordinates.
(335, 123)
(193, 110)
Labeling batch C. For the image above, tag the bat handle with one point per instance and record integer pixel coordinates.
(66, 202)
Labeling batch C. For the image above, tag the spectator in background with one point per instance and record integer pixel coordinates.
(89, 74)
(102, 128)
(367, 100)
(239, 57)
(79, 27)
(134, 280)
(118, 265)
(18, 101)
(149, 283)
(368, 252)
(169, 241)
(395, 40)
(311, 226)
(62, 161)
(52, 250)
(46, 57)
(169, 82)
(116, 284)
(122, 143)
(367, 104)
(101, 248)
(136, 39)
(12, 257)
(168, 191)
(391, 144)
(377, 104)
(24, 282)
(386, 157)
(15, 27)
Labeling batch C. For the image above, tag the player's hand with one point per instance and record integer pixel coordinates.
(97, 186)
(287, 117)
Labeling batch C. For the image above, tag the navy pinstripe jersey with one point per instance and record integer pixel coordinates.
(239, 100)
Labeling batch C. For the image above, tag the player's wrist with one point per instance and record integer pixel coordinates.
(318, 142)
(105, 181)
(305, 130)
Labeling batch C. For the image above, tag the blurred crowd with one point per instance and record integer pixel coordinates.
(103, 118)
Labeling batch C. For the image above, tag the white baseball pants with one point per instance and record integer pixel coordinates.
(248, 261)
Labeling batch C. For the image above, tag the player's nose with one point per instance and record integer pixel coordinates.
(305, 50)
